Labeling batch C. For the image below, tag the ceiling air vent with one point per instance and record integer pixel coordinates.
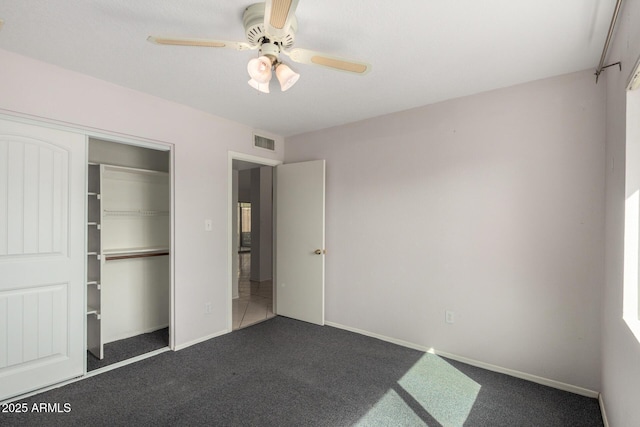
(264, 142)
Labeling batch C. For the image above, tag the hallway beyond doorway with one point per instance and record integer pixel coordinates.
(255, 302)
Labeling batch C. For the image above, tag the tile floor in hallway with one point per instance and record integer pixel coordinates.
(255, 301)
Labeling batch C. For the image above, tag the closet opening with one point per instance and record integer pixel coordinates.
(128, 252)
(252, 243)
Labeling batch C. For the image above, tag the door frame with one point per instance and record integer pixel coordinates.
(233, 155)
(157, 146)
(160, 146)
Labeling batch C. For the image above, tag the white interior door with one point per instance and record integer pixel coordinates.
(42, 250)
(300, 189)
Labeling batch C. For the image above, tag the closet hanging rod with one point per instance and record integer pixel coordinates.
(132, 256)
(612, 26)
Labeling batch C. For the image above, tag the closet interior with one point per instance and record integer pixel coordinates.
(128, 242)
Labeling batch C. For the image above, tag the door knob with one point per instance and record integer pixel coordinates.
(320, 251)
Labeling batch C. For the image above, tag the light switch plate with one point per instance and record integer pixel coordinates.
(208, 225)
(449, 316)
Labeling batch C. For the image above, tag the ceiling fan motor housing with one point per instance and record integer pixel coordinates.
(271, 51)
(253, 21)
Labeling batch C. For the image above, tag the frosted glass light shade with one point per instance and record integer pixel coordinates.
(260, 69)
(286, 76)
(262, 87)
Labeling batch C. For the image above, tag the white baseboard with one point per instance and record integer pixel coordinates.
(522, 375)
(602, 411)
(380, 337)
(199, 340)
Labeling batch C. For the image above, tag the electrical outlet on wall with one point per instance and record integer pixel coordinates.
(207, 308)
(449, 316)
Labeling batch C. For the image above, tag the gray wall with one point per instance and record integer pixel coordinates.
(491, 206)
(244, 186)
(620, 346)
(256, 187)
(261, 223)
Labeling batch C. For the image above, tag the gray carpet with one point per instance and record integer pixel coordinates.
(288, 373)
(128, 348)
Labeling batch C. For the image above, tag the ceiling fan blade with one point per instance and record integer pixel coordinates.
(199, 42)
(305, 56)
(278, 15)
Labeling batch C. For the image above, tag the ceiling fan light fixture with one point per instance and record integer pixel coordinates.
(260, 69)
(286, 76)
(270, 27)
(262, 87)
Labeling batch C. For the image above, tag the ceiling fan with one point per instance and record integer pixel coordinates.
(270, 28)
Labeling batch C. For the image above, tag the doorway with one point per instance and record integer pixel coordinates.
(251, 234)
(252, 243)
(299, 252)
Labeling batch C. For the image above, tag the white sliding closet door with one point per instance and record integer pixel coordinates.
(42, 250)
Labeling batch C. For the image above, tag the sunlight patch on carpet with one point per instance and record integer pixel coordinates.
(391, 410)
(431, 390)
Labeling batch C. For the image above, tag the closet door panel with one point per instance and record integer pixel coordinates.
(41, 256)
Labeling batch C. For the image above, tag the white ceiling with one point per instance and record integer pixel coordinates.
(422, 51)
